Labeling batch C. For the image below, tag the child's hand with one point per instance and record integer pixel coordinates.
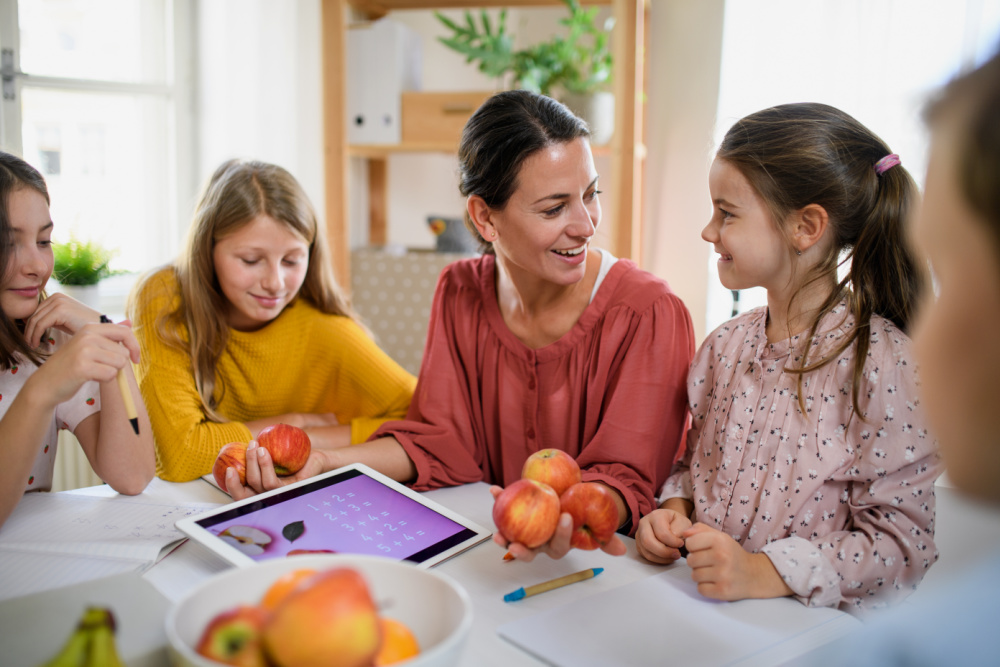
(95, 353)
(658, 538)
(723, 570)
(262, 477)
(558, 546)
(63, 313)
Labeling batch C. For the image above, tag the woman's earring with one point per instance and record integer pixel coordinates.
(798, 252)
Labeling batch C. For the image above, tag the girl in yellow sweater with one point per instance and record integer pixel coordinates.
(249, 328)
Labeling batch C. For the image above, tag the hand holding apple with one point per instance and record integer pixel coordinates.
(527, 512)
(553, 467)
(594, 512)
(289, 447)
(233, 455)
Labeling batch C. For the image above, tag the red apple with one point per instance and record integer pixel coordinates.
(527, 512)
(233, 637)
(595, 515)
(329, 619)
(553, 467)
(288, 445)
(233, 455)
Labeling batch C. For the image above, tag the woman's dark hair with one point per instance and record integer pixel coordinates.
(15, 174)
(504, 132)
(971, 105)
(794, 155)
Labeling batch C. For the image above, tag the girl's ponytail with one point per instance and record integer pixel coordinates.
(884, 274)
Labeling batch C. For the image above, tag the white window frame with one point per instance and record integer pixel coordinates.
(178, 91)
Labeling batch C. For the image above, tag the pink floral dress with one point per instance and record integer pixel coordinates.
(842, 504)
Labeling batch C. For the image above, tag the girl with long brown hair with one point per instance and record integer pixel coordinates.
(249, 328)
(59, 362)
(809, 470)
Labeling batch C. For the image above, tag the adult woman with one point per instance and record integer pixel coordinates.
(540, 342)
(249, 328)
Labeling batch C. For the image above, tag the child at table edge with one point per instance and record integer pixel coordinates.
(806, 475)
(59, 363)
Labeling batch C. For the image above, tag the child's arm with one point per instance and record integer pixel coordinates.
(94, 353)
(123, 459)
(21, 429)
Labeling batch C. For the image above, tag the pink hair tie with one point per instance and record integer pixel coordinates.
(886, 163)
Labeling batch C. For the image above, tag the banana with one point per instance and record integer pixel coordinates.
(92, 643)
(103, 651)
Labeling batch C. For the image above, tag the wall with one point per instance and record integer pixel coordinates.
(683, 90)
(259, 87)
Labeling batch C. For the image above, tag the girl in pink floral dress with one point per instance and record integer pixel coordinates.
(809, 471)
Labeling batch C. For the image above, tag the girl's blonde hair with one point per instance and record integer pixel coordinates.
(238, 192)
(794, 155)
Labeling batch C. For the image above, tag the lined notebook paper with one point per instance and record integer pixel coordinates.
(57, 539)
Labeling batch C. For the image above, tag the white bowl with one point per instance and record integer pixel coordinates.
(435, 608)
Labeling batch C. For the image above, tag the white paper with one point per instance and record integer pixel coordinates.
(56, 539)
(663, 620)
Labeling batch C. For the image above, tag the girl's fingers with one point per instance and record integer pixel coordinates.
(253, 467)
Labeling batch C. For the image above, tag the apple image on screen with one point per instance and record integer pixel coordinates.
(234, 637)
(553, 467)
(233, 455)
(330, 619)
(251, 541)
(289, 447)
(595, 515)
(527, 512)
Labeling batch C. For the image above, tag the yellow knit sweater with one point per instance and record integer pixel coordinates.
(304, 361)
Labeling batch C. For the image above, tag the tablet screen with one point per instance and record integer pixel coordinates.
(353, 510)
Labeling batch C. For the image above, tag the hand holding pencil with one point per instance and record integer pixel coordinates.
(126, 391)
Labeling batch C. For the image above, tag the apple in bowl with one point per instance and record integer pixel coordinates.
(431, 604)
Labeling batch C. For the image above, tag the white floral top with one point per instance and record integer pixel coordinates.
(68, 415)
(843, 506)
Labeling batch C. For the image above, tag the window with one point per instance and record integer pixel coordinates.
(96, 96)
(878, 61)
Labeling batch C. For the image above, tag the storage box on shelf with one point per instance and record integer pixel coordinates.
(431, 127)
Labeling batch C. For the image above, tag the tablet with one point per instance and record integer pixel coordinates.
(353, 510)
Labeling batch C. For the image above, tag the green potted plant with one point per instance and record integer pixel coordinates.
(80, 266)
(575, 68)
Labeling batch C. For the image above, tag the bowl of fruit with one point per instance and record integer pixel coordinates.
(324, 609)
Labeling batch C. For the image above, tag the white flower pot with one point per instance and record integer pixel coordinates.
(88, 295)
(598, 109)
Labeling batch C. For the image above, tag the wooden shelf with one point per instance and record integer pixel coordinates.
(626, 150)
(382, 151)
(378, 8)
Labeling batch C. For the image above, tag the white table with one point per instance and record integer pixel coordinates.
(481, 571)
